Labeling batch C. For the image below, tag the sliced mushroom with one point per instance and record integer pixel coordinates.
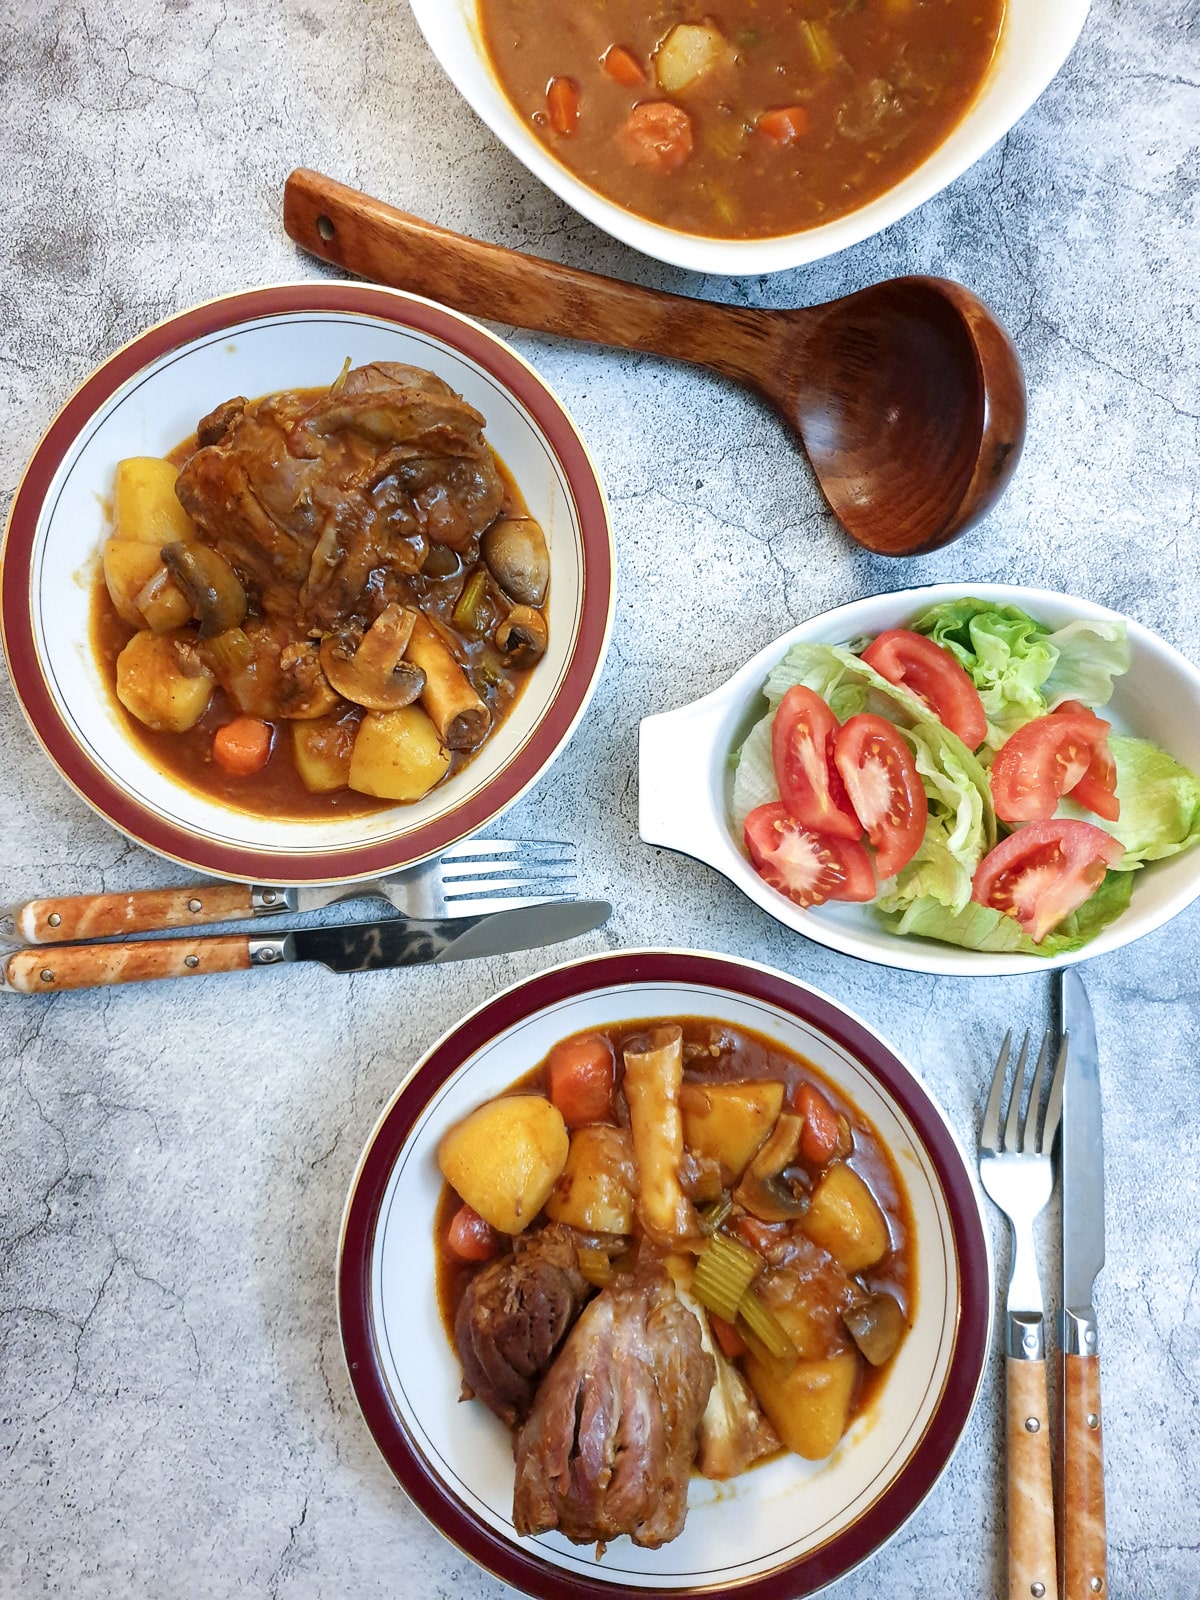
(763, 1191)
(523, 636)
(877, 1327)
(515, 551)
(211, 586)
(374, 673)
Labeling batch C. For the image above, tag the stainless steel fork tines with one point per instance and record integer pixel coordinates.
(483, 875)
(1014, 1164)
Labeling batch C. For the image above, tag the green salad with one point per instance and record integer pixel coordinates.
(956, 774)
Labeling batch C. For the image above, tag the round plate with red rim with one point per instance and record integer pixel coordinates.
(148, 397)
(785, 1529)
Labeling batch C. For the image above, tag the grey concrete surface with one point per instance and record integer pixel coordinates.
(175, 1418)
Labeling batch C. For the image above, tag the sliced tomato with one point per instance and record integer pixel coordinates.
(808, 867)
(934, 676)
(1040, 874)
(1097, 789)
(1043, 761)
(803, 737)
(884, 788)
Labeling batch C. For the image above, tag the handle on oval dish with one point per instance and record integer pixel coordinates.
(681, 800)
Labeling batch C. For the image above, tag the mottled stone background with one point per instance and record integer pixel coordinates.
(174, 1414)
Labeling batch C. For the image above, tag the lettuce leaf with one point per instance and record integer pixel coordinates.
(1021, 669)
(979, 927)
(1160, 803)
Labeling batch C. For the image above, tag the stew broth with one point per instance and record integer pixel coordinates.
(804, 110)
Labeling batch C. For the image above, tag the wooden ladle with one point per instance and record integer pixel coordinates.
(908, 396)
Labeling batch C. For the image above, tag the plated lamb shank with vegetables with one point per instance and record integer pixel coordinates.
(341, 586)
(671, 1248)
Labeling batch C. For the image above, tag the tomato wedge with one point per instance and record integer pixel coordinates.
(803, 736)
(809, 868)
(919, 665)
(1046, 759)
(1042, 873)
(884, 787)
(1097, 789)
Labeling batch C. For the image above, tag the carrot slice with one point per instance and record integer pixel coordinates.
(731, 1342)
(623, 66)
(784, 126)
(470, 1237)
(581, 1080)
(243, 746)
(562, 102)
(819, 1140)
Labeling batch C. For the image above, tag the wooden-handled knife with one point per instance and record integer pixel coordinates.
(1082, 1538)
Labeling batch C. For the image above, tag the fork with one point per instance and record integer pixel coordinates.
(466, 880)
(1015, 1167)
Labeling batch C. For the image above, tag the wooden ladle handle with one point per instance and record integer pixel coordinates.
(375, 241)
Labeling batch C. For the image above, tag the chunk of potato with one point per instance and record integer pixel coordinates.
(689, 51)
(154, 685)
(809, 1408)
(145, 506)
(844, 1218)
(162, 602)
(323, 747)
(505, 1158)
(398, 756)
(596, 1190)
(811, 1322)
(730, 1121)
(128, 568)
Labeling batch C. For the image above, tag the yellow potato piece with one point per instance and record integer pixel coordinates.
(153, 687)
(689, 51)
(145, 506)
(844, 1218)
(505, 1158)
(323, 747)
(128, 568)
(810, 1407)
(398, 755)
(596, 1190)
(729, 1121)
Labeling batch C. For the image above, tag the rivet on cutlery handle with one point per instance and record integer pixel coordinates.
(1032, 1570)
(91, 966)
(1083, 1539)
(103, 916)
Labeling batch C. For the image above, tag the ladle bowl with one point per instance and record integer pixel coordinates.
(908, 395)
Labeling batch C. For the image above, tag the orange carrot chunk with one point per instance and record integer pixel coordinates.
(784, 126)
(243, 746)
(623, 66)
(657, 135)
(562, 102)
(581, 1075)
(731, 1342)
(820, 1135)
(470, 1237)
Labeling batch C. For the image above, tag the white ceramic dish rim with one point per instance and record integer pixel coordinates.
(564, 1583)
(704, 833)
(1047, 34)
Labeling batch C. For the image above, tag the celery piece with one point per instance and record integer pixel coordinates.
(724, 1271)
(594, 1265)
(820, 44)
(230, 653)
(766, 1327)
(465, 615)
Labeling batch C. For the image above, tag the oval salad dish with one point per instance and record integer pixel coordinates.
(962, 779)
(1034, 41)
(789, 1526)
(250, 599)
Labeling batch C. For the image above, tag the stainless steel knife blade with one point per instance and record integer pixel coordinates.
(406, 942)
(1082, 1155)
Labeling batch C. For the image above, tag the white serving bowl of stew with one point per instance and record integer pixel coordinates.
(685, 778)
(147, 398)
(1032, 43)
(786, 1527)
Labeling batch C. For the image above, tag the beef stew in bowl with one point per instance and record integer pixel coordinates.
(747, 119)
(322, 595)
(679, 1220)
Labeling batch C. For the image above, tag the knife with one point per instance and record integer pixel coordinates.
(1083, 1544)
(350, 947)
